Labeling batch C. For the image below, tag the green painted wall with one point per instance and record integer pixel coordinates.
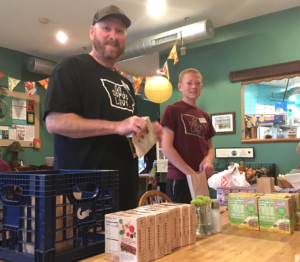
(261, 41)
(13, 64)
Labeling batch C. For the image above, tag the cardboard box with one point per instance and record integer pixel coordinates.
(243, 210)
(184, 222)
(175, 225)
(150, 232)
(276, 214)
(159, 230)
(130, 244)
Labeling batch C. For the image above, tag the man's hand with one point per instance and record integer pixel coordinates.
(157, 128)
(207, 166)
(130, 125)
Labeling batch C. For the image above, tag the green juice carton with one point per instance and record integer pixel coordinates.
(276, 213)
(243, 210)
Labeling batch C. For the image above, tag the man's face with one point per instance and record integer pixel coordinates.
(191, 86)
(109, 38)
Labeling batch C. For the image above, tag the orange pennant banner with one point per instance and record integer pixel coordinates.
(137, 80)
(1, 75)
(165, 70)
(44, 83)
(173, 54)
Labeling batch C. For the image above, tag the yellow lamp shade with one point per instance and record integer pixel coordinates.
(158, 89)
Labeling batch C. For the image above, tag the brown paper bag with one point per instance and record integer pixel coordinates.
(198, 185)
(265, 185)
(283, 183)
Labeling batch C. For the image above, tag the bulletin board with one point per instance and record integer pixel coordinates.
(19, 118)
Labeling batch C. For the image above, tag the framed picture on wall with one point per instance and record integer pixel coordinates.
(224, 123)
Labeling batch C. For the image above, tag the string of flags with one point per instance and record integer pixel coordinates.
(137, 80)
(31, 86)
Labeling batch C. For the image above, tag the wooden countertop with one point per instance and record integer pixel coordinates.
(234, 245)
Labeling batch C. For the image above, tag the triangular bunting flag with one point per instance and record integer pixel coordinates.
(137, 80)
(1, 75)
(117, 69)
(44, 83)
(165, 70)
(30, 88)
(173, 54)
(12, 83)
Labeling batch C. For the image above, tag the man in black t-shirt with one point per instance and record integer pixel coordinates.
(90, 108)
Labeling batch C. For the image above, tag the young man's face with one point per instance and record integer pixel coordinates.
(109, 38)
(191, 86)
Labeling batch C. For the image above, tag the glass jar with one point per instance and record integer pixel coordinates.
(204, 220)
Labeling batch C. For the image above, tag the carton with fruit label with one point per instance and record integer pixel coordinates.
(132, 238)
(150, 232)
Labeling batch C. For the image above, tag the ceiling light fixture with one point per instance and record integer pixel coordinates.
(156, 7)
(62, 37)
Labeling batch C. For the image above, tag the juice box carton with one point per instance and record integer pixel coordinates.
(167, 213)
(150, 232)
(297, 207)
(184, 222)
(243, 210)
(158, 231)
(125, 237)
(275, 214)
(222, 195)
(234, 189)
(295, 203)
(175, 224)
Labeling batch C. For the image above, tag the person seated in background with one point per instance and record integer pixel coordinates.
(187, 133)
(4, 166)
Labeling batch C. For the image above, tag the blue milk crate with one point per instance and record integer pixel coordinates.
(55, 215)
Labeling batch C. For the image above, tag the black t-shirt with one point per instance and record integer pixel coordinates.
(82, 86)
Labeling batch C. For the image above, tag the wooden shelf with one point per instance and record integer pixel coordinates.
(273, 140)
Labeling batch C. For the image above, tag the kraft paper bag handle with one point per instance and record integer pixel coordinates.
(198, 185)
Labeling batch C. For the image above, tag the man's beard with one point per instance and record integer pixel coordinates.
(100, 48)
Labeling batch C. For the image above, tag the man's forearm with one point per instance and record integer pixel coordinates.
(75, 126)
(211, 154)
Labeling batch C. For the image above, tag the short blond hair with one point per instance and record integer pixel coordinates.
(189, 70)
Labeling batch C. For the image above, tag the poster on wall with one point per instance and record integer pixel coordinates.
(223, 123)
(235, 152)
(5, 110)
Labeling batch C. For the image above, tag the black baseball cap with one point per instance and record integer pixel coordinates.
(111, 11)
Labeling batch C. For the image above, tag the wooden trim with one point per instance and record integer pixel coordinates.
(266, 71)
(36, 98)
(274, 140)
(243, 111)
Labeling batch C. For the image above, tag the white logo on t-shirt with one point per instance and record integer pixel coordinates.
(119, 95)
(193, 126)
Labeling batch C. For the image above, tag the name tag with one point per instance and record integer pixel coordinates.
(202, 120)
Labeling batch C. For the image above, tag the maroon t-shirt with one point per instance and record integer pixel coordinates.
(192, 129)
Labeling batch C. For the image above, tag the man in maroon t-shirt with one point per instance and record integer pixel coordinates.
(187, 138)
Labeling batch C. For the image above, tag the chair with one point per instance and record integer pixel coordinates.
(153, 197)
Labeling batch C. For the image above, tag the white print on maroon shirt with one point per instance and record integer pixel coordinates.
(119, 95)
(192, 126)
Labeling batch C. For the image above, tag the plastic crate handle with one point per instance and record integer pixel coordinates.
(11, 193)
(85, 191)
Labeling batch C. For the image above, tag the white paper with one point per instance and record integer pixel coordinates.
(17, 102)
(3, 127)
(12, 134)
(19, 113)
(25, 133)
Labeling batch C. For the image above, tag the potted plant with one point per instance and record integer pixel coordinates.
(204, 215)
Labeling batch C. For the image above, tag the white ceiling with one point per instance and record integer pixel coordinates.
(21, 31)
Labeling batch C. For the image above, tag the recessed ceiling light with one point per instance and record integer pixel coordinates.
(156, 7)
(44, 21)
(61, 37)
